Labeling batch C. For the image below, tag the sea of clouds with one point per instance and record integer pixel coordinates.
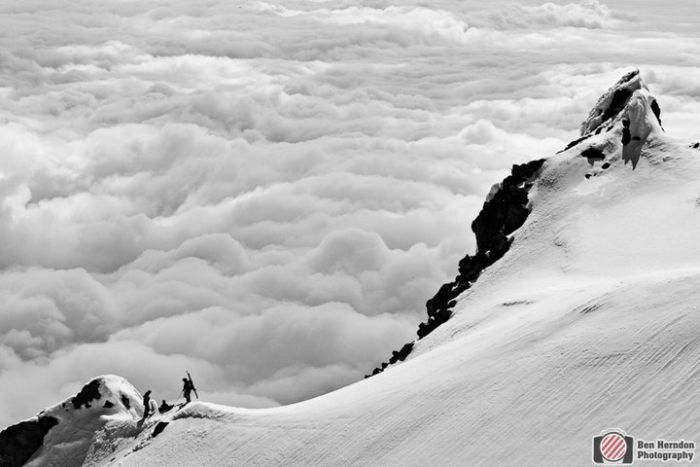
(267, 192)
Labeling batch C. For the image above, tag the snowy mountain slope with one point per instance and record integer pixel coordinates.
(589, 321)
(525, 385)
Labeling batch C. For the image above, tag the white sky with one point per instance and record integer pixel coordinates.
(266, 193)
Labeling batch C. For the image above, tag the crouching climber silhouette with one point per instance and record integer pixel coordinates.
(164, 407)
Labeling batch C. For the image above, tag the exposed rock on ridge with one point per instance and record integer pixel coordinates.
(503, 212)
(19, 442)
(629, 114)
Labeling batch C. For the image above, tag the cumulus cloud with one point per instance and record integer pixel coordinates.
(266, 193)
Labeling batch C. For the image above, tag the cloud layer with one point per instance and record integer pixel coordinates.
(266, 193)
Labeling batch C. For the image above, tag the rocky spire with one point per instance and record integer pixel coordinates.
(628, 111)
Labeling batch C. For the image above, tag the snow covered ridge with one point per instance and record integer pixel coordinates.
(63, 434)
(619, 124)
(588, 322)
(577, 313)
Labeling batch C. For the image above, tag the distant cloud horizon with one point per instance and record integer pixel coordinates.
(266, 193)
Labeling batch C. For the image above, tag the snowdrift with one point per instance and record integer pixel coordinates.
(587, 321)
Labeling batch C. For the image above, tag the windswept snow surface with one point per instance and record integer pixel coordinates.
(590, 321)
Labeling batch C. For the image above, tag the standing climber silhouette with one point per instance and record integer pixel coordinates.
(187, 389)
(146, 405)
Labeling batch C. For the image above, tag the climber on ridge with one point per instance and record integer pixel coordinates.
(164, 407)
(146, 405)
(187, 388)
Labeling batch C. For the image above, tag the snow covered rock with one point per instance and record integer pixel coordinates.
(628, 110)
(62, 435)
(611, 106)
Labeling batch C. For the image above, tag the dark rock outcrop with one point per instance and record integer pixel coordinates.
(401, 355)
(593, 154)
(657, 111)
(500, 216)
(19, 442)
(619, 101)
(160, 426)
(578, 140)
(396, 356)
(89, 392)
(125, 401)
(612, 102)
